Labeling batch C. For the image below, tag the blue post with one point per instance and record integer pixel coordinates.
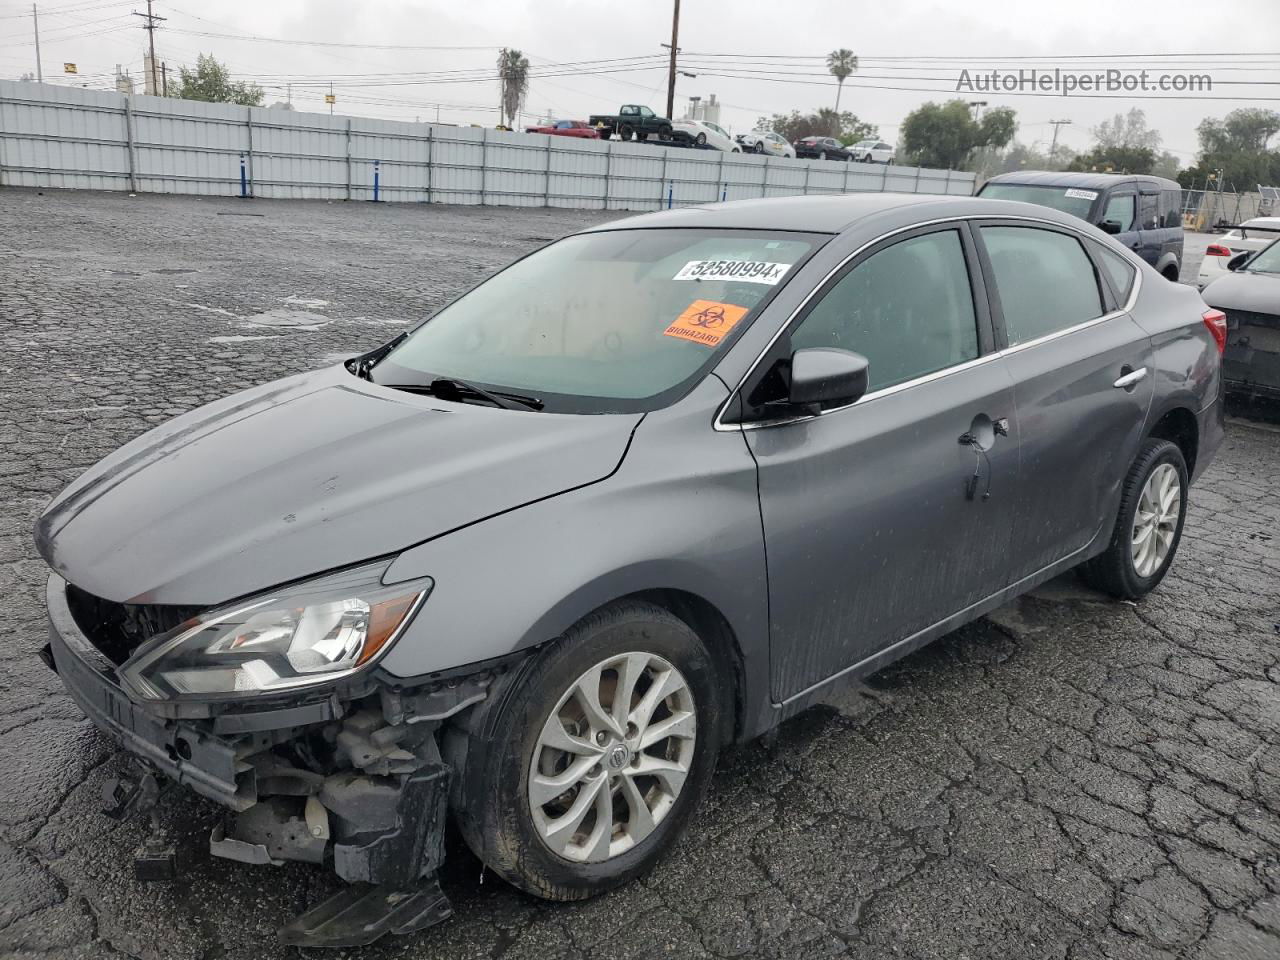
(724, 194)
(671, 192)
(244, 179)
(377, 168)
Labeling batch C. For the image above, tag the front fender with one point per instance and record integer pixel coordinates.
(680, 513)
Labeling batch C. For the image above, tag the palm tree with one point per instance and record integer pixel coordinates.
(513, 74)
(841, 63)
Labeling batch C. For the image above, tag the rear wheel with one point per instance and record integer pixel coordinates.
(757, 147)
(700, 139)
(626, 133)
(1153, 507)
(587, 765)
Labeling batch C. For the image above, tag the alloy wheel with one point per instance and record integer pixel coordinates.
(612, 757)
(1156, 520)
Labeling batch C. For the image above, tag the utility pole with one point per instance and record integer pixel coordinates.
(150, 27)
(671, 73)
(1054, 145)
(164, 75)
(35, 23)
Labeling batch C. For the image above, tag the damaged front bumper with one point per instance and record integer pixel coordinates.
(357, 784)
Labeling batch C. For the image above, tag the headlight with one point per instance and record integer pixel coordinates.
(306, 634)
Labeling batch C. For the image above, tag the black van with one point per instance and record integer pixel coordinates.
(1143, 212)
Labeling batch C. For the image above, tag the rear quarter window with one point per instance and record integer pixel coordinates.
(1119, 270)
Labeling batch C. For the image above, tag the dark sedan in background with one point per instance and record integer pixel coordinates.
(648, 491)
(1249, 295)
(822, 148)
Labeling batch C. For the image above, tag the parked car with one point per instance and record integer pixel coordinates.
(1250, 237)
(632, 120)
(1143, 213)
(823, 148)
(511, 565)
(873, 151)
(567, 128)
(1249, 295)
(766, 141)
(705, 133)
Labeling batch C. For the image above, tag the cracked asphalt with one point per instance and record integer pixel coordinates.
(1067, 778)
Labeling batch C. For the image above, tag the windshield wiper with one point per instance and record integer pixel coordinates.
(450, 388)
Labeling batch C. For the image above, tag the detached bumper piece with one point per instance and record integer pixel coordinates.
(359, 914)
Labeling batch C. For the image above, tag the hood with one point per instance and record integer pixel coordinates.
(303, 475)
(1255, 292)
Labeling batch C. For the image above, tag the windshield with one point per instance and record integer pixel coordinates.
(1067, 199)
(865, 143)
(607, 322)
(1266, 260)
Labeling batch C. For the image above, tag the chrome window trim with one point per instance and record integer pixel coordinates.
(719, 425)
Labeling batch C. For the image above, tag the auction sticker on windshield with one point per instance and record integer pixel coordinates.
(1082, 194)
(706, 322)
(744, 271)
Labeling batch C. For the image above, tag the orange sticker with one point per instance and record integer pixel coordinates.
(706, 322)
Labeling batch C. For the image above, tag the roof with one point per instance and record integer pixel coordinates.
(831, 213)
(1094, 181)
(1268, 223)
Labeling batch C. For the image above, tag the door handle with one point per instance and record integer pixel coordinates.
(1130, 379)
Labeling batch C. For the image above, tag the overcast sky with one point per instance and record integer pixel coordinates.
(367, 57)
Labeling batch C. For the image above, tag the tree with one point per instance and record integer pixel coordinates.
(1237, 145)
(211, 82)
(841, 63)
(823, 122)
(1126, 132)
(946, 135)
(1020, 156)
(1116, 160)
(513, 74)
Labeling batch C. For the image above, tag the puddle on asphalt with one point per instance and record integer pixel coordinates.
(288, 320)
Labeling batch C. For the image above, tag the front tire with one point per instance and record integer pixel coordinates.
(571, 786)
(757, 147)
(1153, 507)
(700, 139)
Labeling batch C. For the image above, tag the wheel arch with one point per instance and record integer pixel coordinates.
(1178, 425)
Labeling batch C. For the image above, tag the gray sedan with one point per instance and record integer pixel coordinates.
(648, 491)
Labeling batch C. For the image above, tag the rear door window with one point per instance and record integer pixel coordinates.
(1045, 281)
(1149, 211)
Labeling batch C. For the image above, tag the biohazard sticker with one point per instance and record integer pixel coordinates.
(706, 322)
(743, 271)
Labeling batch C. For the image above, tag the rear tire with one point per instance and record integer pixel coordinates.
(1148, 526)
(757, 147)
(626, 133)
(700, 139)
(507, 753)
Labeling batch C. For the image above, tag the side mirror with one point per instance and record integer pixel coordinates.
(1238, 261)
(827, 375)
(1110, 226)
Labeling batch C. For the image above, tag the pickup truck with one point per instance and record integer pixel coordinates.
(632, 120)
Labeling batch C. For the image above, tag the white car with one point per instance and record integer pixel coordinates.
(873, 151)
(766, 141)
(704, 132)
(1249, 236)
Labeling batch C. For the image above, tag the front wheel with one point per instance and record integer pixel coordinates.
(585, 767)
(758, 147)
(700, 139)
(1153, 507)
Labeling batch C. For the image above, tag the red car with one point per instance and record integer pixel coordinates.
(567, 128)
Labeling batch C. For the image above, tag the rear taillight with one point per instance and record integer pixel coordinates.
(1217, 250)
(1216, 321)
